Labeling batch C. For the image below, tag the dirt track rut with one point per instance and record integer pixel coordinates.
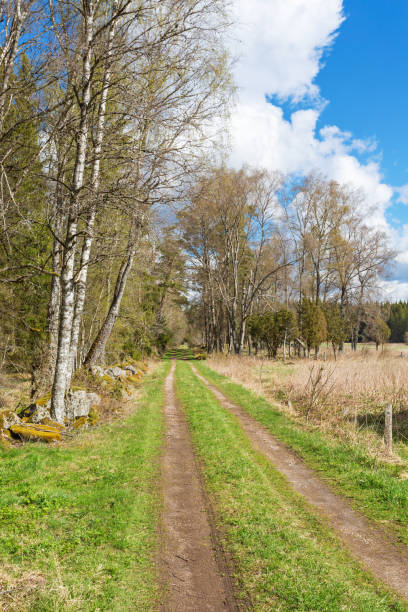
(374, 547)
(193, 569)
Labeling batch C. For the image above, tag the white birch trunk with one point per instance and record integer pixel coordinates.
(8, 67)
(62, 376)
(89, 230)
(54, 303)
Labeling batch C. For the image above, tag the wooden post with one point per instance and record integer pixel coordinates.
(388, 428)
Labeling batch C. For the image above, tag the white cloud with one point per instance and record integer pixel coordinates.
(402, 194)
(393, 291)
(282, 43)
(282, 48)
(263, 137)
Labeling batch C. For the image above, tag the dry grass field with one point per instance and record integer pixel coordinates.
(345, 398)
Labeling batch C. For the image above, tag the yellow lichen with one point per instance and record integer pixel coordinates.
(51, 423)
(42, 401)
(80, 422)
(29, 431)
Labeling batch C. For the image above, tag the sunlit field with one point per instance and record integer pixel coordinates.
(346, 397)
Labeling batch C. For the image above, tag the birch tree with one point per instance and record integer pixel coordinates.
(185, 84)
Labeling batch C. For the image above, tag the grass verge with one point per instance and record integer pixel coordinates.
(79, 521)
(379, 490)
(285, 558)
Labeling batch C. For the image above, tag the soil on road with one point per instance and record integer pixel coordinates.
(194, 570)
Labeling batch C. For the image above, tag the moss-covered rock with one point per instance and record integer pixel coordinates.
(31, 431)
(116, 372)
(135, 379)
(50, 423)
(40, 406)
(79, 403)
(6, 435)
(8, 418)
(39, 415)
(25, 413)
(80, 422)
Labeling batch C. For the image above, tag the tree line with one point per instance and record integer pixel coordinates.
(276, 259)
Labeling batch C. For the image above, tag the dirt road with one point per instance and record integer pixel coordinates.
(194, 570)
(374, 547)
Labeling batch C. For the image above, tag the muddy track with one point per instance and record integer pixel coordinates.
(193, 567)
(374, 547)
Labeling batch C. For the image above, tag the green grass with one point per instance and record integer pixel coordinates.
(185, 353)
(179, 353)
(285, 559)
(376, 488)
(84, 515)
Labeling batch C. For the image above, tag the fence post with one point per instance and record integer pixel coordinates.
(388, 428)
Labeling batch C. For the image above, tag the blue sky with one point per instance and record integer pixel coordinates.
(365, 79)
(322, 88)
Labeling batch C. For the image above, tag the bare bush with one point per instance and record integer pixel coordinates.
(318, 387)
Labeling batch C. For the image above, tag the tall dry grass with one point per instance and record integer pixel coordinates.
(346, 397)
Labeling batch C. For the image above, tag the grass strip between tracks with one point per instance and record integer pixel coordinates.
(285, 559)
(79, 520)
(377, 489)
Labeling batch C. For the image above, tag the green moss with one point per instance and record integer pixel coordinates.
(94, 415)
(80, 422)
(42, 401)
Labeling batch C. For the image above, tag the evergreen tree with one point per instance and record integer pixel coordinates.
(398, 321)
(313, 325)
(337, 326)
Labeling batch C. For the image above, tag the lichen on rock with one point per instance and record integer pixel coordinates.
(80, 422)
(40, 414)
(44, 401)
(8, 418)
(32, 431)
(79, 403)
(51, 423)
